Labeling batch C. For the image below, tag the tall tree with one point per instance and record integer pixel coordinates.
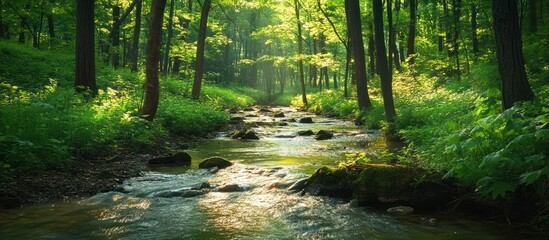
(352, 12)
(85, 42)
(115, 37)
(199, 68)
(136, 32)
(385, 72)
(393, 51)
(412, 31)
(514, 84)
(299, 52)
(474, 35)
(152, 84)
(532, 14)
(169, 41)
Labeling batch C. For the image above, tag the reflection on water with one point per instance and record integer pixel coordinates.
(262, 208)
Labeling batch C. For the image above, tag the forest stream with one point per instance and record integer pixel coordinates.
(259, 207)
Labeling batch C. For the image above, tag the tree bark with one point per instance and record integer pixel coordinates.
(393, 51)
(199, 68)
(352, 12)
(169, 41)
(152, 84)
(115, 40)
(51, 29)
(299, 52)
(532, 14)
(474, 36)
(371, 50)
(136, 32)
(514, 84)
(85, 56)
(412, 31)
(456, 9)
(382, 63)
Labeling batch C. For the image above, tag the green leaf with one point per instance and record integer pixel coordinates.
(531, 177)
(500, 188)
(535, 159)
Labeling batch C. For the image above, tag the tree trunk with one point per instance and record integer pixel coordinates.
(2, 31)
(135, 41)
(393, 50)
(199, 68)
(23, 24)
(371, 50)
(532, 9)
(347, 67)
(474, 35)
(169, 41)
(85, 56)
(412, 31)
(299, 52)
(514, 84)
(115, 40)
(51, 29)
(352, 12)
(382, 63)
(152, 84)
(456, 9)
(448, 34)
(313, 66)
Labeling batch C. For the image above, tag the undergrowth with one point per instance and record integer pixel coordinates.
(45, 125)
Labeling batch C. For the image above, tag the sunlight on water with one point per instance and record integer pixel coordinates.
(152, 206)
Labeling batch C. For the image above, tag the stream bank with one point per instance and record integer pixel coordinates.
(251, 199)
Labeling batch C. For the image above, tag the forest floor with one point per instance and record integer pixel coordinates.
(86, 176)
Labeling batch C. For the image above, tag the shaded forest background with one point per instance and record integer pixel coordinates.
(424, 72)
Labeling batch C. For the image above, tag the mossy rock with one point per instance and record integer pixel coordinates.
(382, 185)
(334, 182)
(306, 120)
(175, 159)
(218, 162)
(245, 134)
(324, 135)
(278, 115)
(385, 184)
(305, 133)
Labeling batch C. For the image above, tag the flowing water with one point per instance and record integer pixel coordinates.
(263, 208)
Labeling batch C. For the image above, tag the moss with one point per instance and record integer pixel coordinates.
(382, 183)
(335, 182)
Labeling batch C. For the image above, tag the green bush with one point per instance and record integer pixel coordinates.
(182, 116)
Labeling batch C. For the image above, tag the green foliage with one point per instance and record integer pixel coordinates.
(182, 116)
(31, 69)
(330, 101)
(45, 125)
(503, 152)
(48, 128)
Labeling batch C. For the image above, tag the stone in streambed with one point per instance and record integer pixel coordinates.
(175, 159)
(324, 135)
(229, 188)
(306, 120)
(403, 210)
(212, 162)
(305, 133)
(236, 120)
(245, 134)
(279, 115)
(298, 185)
